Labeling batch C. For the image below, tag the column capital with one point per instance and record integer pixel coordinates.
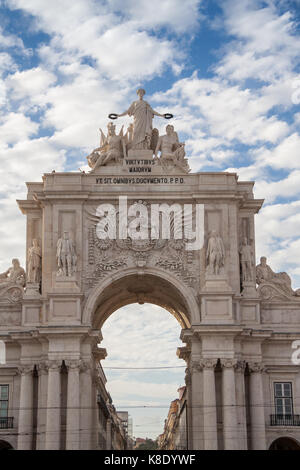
(53, 364)
(240, 366)
(25, 369)
(229, 363)
(195, 366)
(85, 366)
(42, 368)
(73, 364)
(207, 363)
(257, 367)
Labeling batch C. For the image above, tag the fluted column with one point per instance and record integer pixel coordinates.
(257, 410)
(42, 370)
(73, 405)
(241, 404)
(26, 408)
(230, 431)
(209, 404)
(53, 406)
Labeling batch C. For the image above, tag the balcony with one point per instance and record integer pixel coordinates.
(6, 423)
(285, 420)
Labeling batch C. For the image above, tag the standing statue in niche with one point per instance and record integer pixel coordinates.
(246, 261)
(66, 256)
(34, 262)
(142, 121)
(15, 275)
(215, 253)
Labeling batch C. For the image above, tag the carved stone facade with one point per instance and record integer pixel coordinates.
(237, 337)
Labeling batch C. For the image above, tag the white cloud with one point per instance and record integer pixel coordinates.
(15, 127)
(30, 83)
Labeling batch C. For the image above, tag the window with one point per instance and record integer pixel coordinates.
(283, 398)
(3, 401)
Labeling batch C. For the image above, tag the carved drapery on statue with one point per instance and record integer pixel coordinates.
(34, 263)
(66, 256)
(140, 136)
(273, 285)
(12, 282)
(215, 254)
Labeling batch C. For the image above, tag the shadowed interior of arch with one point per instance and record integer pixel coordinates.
(145, 288)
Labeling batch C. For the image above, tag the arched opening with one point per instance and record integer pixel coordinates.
(285, 443)
(142, 370)
(141, 286)
(146, 291)
(4, 445)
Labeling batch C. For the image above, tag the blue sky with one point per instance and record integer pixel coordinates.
(228, 71)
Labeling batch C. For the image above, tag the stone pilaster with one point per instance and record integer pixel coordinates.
(209, 404)
(87, 416)
(257, 410)
(73, 405)
(230, 430)
(26, 408)
(52, 441)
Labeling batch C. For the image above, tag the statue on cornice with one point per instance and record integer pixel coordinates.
(143, 115)
(265, 275)
(14, 276)
(112, 147)
(171, 149)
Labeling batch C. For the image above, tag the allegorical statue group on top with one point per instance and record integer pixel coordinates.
(140, 135)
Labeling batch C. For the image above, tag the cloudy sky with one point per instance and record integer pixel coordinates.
(229, 72)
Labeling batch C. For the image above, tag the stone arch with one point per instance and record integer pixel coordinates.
(136, 285)
(5, 445)
(285, 443)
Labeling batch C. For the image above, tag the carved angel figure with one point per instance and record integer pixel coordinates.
(172, 149)
(15, 275)
(112, 147)
(264, 274)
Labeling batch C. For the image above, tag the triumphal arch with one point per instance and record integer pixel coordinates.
(138, 226)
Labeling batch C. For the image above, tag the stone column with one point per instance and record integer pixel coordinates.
(42, 405)
(230, 430)
(53, 406)
(241, 404)
(73, 405)
(257, 410)
(87, 411)
(108, 435)
(26, 408)
(196, 414)
(209, 404)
